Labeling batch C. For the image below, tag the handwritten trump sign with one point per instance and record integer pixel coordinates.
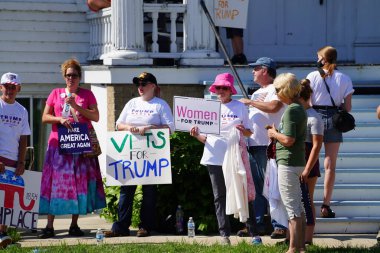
(19, 198)
(203, 113)
(231, 13)
(133, 159)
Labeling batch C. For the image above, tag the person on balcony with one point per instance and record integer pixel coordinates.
(237, 43)
(71, 183)
(329, 85)
(14, 131)
(234, 114)
(97, 5)
(140, 114)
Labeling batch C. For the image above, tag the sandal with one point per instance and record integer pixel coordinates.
(75, 231)
(330, 213)
(46, 233)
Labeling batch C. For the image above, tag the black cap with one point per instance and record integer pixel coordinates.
(145, 77)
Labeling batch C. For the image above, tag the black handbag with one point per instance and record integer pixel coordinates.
(342, 120)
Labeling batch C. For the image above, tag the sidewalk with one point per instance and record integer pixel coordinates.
(90, 223)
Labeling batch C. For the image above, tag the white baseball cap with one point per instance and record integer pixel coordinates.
(11, 78)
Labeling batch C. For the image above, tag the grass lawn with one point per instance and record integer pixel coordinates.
(181, 247)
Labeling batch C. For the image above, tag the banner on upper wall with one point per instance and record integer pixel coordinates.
(231, 13)
(203, 113)
(19, 198)
(133, 159)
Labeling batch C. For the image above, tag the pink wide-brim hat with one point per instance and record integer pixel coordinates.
(225, 79)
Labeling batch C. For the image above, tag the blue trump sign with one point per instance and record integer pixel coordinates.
(75, 140)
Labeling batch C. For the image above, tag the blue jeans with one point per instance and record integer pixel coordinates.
(147, 212)
(258, 161)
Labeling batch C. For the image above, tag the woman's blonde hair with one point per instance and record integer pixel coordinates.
(330, 55)
(287, 85)
(71, 63)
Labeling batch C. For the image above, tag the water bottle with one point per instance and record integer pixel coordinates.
(179, 220)
(99, 237)
(190, 227)
(66, 108)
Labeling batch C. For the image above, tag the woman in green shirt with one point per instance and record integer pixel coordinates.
(290, 156)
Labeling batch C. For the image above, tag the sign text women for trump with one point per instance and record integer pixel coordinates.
(133, 159)
(203, 113)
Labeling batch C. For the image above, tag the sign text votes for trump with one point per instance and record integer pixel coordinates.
(133, 159)
(203, 113)
(19, 198)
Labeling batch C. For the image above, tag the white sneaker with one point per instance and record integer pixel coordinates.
(225, 240)
(4, 241)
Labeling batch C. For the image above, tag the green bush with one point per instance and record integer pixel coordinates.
(190, 188)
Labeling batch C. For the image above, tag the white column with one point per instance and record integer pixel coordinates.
(127, 34)
(200, 40)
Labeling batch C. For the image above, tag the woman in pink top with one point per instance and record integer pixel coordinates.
(71, 183)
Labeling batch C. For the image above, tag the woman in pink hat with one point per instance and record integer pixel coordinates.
(233, 114)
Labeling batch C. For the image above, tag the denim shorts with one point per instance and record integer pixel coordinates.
(331, 134)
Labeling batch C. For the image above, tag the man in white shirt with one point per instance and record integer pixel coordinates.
(14, 131)
(264, 109)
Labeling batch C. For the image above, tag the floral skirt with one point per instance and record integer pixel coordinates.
(71, 184)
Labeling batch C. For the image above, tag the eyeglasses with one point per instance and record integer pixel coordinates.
(74, 76)
(257, 68)
(222, 88)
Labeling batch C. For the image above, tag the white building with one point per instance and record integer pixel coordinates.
(119, 42)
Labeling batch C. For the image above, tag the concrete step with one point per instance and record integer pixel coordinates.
(358, 144)
(364, 130)
(355, 159)
(365, 115)
(365, 101)
(352, 208)
(347, 225)
(355, 176)
(350, 192)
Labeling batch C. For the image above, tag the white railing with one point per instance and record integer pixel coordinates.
(100, 34)
(120, 34)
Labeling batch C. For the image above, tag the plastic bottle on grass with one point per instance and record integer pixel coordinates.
(179, 220)
(99, 237)
(191, 228)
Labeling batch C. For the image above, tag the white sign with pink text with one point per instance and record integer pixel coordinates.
(203, 113)
(19, 198)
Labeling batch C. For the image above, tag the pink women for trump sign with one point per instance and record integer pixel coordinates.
(203, 113)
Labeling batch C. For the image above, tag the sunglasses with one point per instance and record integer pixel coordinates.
(74, 76)
(143, 84)
(10, 87)
(222, 88)
(277, 90)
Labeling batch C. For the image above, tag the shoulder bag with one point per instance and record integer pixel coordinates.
(342, 120)
(95, 146)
